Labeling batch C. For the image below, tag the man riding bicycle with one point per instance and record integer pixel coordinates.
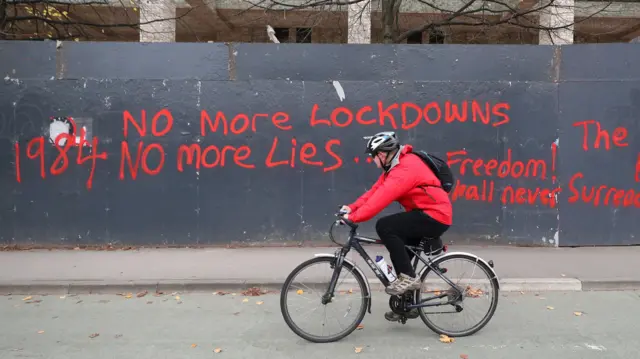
(428, 210)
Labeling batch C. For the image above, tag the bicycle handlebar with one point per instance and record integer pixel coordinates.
(346, 221)
(341, 221)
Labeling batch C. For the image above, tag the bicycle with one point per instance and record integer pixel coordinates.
(436, 256)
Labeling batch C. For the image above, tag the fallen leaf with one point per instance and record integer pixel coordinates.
(254, 292)
(217, 350)
(194, 345)
(117, 336)
(93, 335)
(474, 293)
(78, 302)
(142, 294)
(63, 296)
(27, 298)
(129, 295)
(233, 294)
(464, 356)
(149, 302)
(350, 291)
(358, 349)
(259, 303)
(179, 302)
(446, 339)
(577, 314)
(300, 291)
(236, 313)
(221, 293)
(550, 307)
(245, 300)
(360, 326)
(521, 292)
(40, 331)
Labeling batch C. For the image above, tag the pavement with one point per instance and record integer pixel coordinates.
(212, 269)
(568, 325)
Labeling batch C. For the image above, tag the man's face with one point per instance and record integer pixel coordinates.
(379, 158)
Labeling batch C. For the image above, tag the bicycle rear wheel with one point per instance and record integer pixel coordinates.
(470, 292)
(343, 293)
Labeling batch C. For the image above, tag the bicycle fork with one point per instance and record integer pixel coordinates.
(337, 268)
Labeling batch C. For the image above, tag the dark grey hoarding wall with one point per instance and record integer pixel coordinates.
(184, 144)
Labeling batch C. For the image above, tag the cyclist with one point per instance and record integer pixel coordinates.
(428, 210)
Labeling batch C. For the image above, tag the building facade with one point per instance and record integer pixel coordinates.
(557, 22)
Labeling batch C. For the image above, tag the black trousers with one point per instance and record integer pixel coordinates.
(409, 228)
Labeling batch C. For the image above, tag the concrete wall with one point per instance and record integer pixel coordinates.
(278, 171)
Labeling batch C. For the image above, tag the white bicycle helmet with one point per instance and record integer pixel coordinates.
(382, 142)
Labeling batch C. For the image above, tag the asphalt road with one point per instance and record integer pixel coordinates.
(195, 324)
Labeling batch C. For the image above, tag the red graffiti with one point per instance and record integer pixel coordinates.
(212, 156)
(493, 167)
(142, 159)
(638, 169)
(411, 114)
(62, 159)
(531, 196)
(16, 148)
(141, 126)
(554, 154)
(39, 153)
(36, 151)
(483, 193)
(93, 157)
(619, 135)
(241, 122)
(603, 194)
(305, 154)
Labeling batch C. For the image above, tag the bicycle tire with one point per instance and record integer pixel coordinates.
(485, 320)
(312, 338)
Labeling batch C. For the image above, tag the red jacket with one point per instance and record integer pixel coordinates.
(401, 184)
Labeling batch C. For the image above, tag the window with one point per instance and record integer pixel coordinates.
(303, 35)
(415, 38)
(282, 33)
(436, 37)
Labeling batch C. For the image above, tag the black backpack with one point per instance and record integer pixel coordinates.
(439, 167)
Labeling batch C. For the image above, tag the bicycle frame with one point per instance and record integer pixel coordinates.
(355, 241)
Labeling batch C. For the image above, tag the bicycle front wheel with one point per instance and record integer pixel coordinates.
(479, 292)
(347, 294)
